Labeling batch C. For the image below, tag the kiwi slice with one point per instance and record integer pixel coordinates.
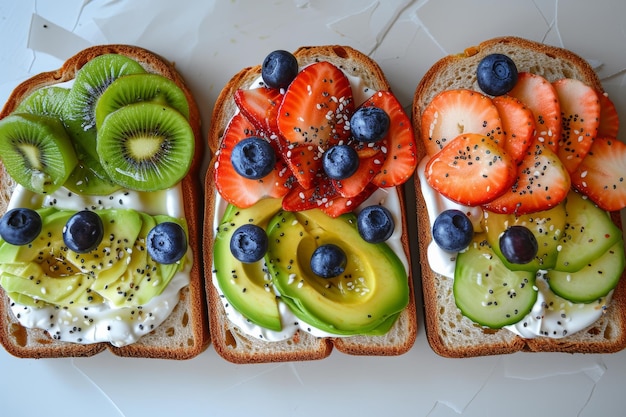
(146, 146)
(45, 101)
(36, 151)
(140, 87)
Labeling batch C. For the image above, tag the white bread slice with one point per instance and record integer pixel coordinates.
(449, 333)
(185, 333)
(228, 340)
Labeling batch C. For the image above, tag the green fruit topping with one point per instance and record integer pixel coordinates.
(44, 101)
(36, 151)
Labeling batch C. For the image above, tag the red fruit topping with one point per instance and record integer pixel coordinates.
(318, 196)
(340, 205)
(370, 161)
(454, 112)
(518, 123)
(602, 174)
(398, 145)
(540, 97)
(260, 106)
(580, 117)
(472, 169)
(609, 119)
(313, 116)
(234, 188)
(542, 182)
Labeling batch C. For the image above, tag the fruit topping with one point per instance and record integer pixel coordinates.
(320, 195)
(328, 261)
(496, 74)
(471, 170)
(455, 112)
(340, 162)
(20, 226)
(44, 101)
(249, 243)
(452, 230)
(260, 107)
(518, 123)
(36, 151)
(253, 158)
(609, 119)
(83, 232)
(375, 224)
(146, 146)
(279, 68)
(167, 242)
(369, 124)
(602, 174)
(518, 245)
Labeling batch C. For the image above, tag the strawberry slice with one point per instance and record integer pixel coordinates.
(238, 190)
(609, 119)
(601, 174)
(542, 182)
(260, 106)
(318, 196)
(340, 205)
(313, 116)
(472, 169)
(369, 165)
(540, 97)
(518, 123)
(580, 117)
(454, 112)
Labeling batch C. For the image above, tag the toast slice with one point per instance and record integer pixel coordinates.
(184, 334)
(228, 340)
(449, 333)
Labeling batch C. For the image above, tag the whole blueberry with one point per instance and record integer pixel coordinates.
(496, 74)
(249, 243)
(328, 261)
(279, 68)
(167, 242)
(253, 158)
(20, 226)
(453, 230)
(375, 224)
(83, 232)
(340, 162)
(369, 124)
(518, 245)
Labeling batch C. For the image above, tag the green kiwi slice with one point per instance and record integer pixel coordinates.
(45, 101)
(36, 151)
(133, 88)
(146, 146)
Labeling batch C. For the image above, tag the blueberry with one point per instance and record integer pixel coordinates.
(340, 162)
(328, 261)
(369, 124)
(453, 230)
(83, 232)
(20, 226)
(518, 245)
(375, 224)
(167, 242)
(496, 74)
(279, 69)
(253, 158)
(249, 243)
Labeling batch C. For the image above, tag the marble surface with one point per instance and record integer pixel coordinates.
(212, 40)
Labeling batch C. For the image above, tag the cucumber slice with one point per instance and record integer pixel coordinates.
(594, 280)
(486, 291)
(589, 232)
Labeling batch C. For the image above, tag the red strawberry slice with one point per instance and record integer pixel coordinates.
(369, 165)
(238, 190)
(340, 205)
(260, 106)
(602, 174)
(609, 119)
(318, 196)
(542, 182)
(398, 145)
(472, 169)
(580, 118)
(518, 123)
(313, 116)
(540, 97)
(455, 112)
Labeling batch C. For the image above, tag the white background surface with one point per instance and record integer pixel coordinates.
(212, 40)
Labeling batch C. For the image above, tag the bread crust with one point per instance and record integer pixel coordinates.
(608, 334)
(191, 310)
(232, 344)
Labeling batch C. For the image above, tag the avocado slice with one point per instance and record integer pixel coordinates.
(364, 300)
(246, 286)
